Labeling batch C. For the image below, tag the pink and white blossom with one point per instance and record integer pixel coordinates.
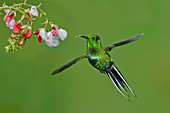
(17, 27)
(34, 11)
(11, 24)
(52, 40)
(43, 34)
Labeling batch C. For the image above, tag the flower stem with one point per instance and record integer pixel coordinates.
(16, 7)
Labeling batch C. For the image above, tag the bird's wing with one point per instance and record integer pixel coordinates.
(109, 48)
(68, 65)
(119, 81)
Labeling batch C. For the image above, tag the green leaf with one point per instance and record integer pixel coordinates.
(3, 4)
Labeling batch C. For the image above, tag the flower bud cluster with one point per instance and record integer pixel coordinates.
(51, 38)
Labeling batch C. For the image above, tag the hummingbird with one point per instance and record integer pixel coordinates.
(100, 58)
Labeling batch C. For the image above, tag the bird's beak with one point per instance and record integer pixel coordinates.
(84, 36)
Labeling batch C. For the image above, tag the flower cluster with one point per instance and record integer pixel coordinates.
(51, 37)
(22, 28)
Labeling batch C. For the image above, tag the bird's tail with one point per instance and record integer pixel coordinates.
(119, 81)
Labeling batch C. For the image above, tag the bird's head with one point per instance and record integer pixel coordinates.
(93, 41)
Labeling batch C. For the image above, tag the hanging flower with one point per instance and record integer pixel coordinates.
(17, 27)
(11, 24)
(36, 32)
(39, 38)
(62, 34)
(12, 36)
(9, 16)
(55, 30)
(52, 40)
(20, 43)
(28, 34)
(43, 34)
(54, 27)
(34, 11)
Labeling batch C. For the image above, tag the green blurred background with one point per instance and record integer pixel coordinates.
(26, 84)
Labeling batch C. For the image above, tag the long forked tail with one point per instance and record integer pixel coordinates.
(119, 81)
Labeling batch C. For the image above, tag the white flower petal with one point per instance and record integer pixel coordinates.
(11, 24)
(34, 11)
(43, 34)
(62, 34)
(55, 41)
(49, 36)
(6, 47)
(6, 10)
(52, 40)
(48, 43)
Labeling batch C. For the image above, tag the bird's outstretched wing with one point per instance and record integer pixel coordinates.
(109, 48)
(68, 65)
(119, 81)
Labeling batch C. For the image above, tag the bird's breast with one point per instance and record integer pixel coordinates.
(92, 51)
(102, 61)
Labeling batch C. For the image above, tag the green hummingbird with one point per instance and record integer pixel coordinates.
(99, 58)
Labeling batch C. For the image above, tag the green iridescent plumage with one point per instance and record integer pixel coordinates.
(100, 59)
(97, 56)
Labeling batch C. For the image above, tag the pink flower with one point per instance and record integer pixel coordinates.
(9, 16)
(55, 32)
(17, 27)
(28, 34)
(11, 23)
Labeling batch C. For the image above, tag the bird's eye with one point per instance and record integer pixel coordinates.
(97, 38)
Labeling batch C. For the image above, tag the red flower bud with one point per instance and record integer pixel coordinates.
(28, 24)
(54, 27)
(28, 34)
(36, 32)
(21, 33)
(12, 36)
(54, 32)
(20, 43)
(39, 38)
(8, 17)
(17, 27)
(16, 38)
